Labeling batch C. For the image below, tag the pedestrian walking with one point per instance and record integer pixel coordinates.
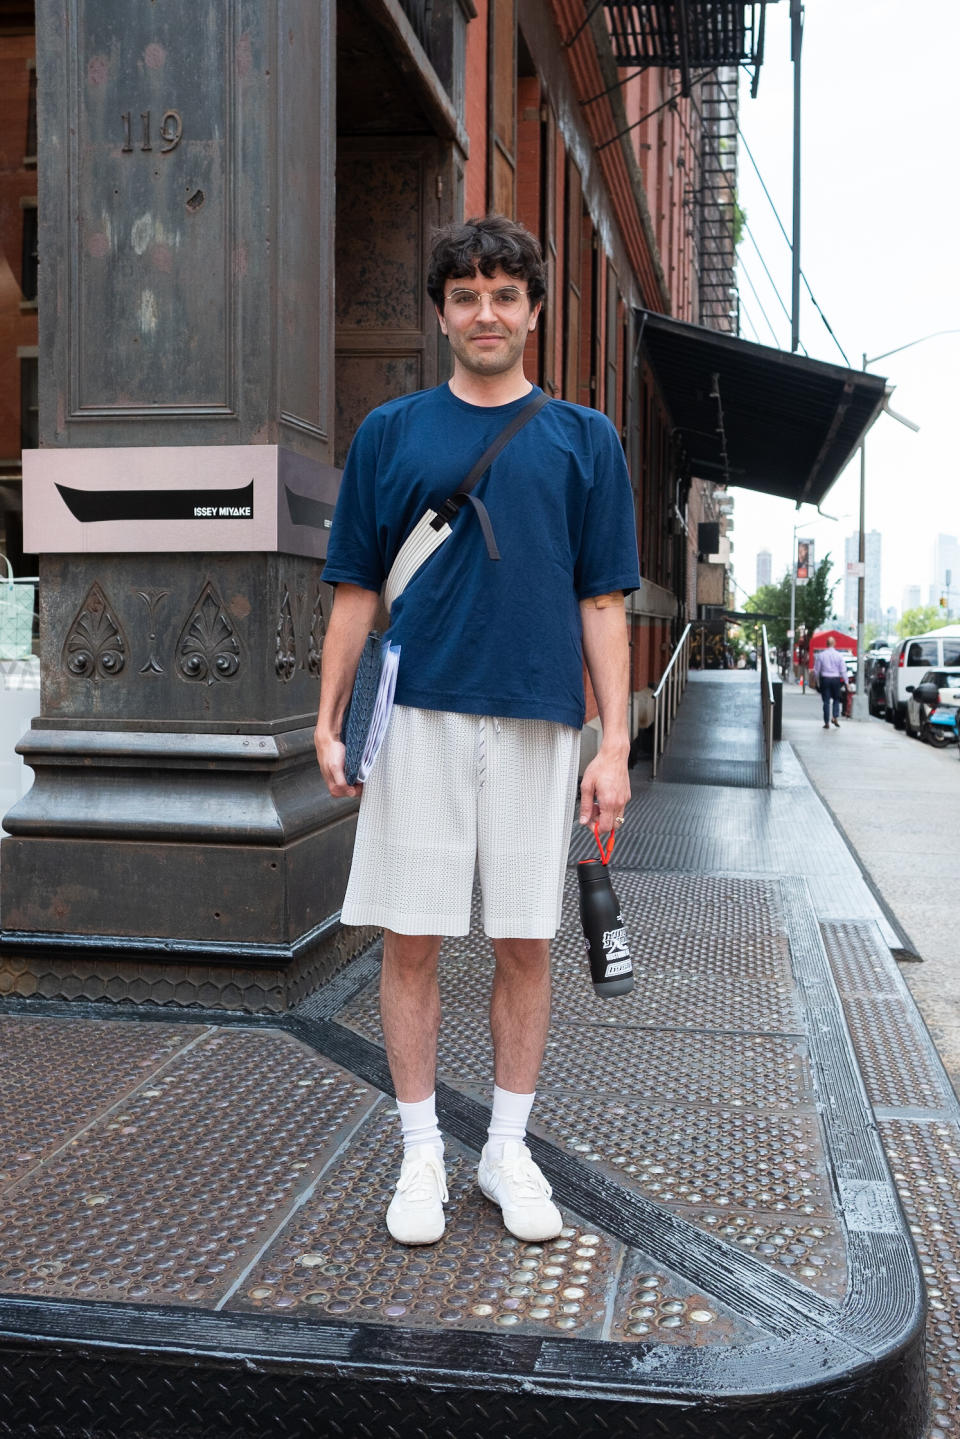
(831, 673)
(479, 765)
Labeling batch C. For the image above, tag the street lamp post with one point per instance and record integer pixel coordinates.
(860, 707)
(791, 633)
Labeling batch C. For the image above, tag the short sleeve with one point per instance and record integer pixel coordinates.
(607, 559)
(353, 555)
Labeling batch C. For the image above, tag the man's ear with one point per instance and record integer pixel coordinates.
(443, 323)
(534, 316)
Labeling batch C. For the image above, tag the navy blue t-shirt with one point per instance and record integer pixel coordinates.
(480, 636)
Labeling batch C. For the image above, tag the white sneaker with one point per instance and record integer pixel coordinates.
(415, 1215)
(517, 1185)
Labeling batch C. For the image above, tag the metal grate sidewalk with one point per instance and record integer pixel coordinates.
(192, 1204)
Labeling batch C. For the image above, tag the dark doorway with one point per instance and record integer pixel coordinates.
(394, 186)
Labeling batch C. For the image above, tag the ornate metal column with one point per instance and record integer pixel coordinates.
(180, 501)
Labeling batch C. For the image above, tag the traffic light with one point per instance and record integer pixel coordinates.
(943, 602)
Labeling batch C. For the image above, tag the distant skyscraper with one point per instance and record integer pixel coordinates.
(764, 568)
(911, 597)
(946, 572)
(872, 613)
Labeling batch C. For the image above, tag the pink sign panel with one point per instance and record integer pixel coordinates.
(186, 498)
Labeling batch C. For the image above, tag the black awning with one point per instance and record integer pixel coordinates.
(748, 415)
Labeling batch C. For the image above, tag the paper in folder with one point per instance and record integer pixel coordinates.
(368, 713)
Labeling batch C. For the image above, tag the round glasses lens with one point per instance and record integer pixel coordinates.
(509, 298)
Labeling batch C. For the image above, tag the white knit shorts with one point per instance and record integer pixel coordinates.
(453, 792)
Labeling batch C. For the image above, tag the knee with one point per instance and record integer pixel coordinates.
(410, 954)
(525, 958)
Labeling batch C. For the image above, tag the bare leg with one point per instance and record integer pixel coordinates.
(520, 1011)
(410, 1011)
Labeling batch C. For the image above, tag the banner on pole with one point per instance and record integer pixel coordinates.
(804, 561)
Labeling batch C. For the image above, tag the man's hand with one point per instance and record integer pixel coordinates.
(332, 756)
(353, 616)
(604, 789)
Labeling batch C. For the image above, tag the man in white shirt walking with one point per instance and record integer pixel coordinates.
(831, 672)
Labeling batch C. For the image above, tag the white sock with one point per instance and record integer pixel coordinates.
(508, 1120)
(419, 1122)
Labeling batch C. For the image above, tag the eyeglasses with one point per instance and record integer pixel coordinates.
(507, 301)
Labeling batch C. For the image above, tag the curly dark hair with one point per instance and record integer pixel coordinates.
(487, 244)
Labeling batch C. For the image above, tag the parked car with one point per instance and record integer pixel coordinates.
(910, 661)
(875, 681)
(932, 707)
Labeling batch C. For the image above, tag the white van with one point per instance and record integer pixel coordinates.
(910, 661)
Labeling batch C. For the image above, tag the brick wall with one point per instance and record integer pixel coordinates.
(475, 173)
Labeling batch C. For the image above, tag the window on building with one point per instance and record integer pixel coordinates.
(572, 246)
(612, 345)
(552, 376)
(29, 403)
(30, 147)
(28, 253)
(502, 106)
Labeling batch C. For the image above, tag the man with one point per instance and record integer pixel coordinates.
(479, 764)
(831, 673)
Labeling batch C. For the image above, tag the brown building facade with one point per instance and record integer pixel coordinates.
(18, 269)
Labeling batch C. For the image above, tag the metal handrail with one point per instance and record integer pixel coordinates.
(767, 703)
(666, 696)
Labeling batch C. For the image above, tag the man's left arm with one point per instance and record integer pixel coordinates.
(605, 787)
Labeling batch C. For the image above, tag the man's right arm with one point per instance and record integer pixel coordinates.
(352, 618)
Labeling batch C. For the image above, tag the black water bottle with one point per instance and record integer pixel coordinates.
(605, 935)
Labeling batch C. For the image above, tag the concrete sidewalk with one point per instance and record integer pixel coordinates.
(897, 802)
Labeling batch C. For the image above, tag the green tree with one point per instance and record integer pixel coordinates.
(815, 598)
(921, 620)
(770, 600)
(813, 604)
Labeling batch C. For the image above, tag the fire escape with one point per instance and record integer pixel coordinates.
(715, 201)
(706, 42)
(687, 35)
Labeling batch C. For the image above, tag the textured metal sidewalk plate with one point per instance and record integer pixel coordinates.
(221, 1191)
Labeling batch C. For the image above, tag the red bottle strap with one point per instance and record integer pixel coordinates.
(604, 853)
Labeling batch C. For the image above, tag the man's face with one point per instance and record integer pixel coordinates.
(487, 338)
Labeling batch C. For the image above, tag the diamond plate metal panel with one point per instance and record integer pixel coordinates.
(178, 1401)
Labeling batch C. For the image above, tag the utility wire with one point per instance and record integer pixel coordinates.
(724, 173)
(773, 285)
(745, 314)
(733, 193)
(776, 213)
(753, 288)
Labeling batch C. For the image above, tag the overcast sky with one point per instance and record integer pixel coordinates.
(879, 247)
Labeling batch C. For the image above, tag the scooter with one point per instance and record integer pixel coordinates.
(938, 723)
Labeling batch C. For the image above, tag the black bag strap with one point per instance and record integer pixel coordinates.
(461, 496)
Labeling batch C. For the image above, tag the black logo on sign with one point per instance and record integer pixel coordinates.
(91, 506)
